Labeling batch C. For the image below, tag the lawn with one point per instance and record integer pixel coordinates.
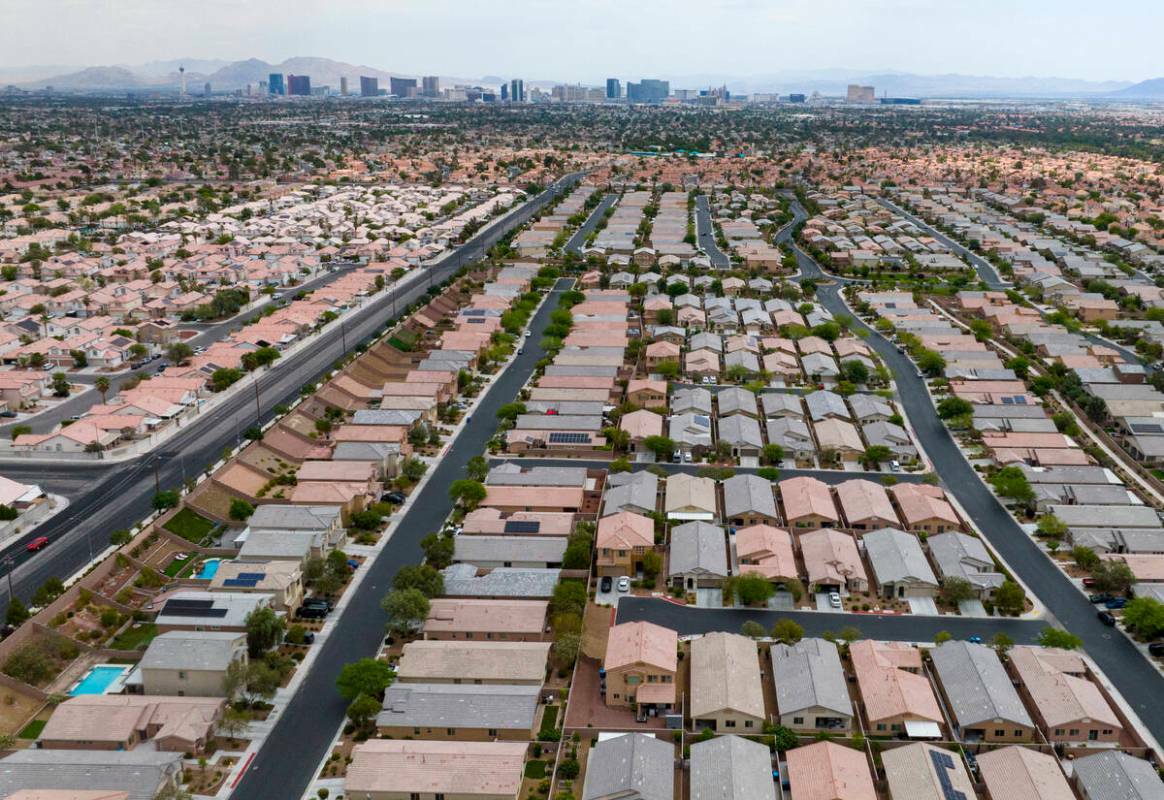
(533, 769)
(32, 730)
(190, 525)
(1159, 473)
(550, 718)
(177, 566)
(135, 637)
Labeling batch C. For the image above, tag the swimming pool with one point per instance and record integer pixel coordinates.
(208, 569)
(101, 679)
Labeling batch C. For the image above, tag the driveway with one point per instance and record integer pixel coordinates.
(923, 606)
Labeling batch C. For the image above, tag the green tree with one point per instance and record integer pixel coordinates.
(1113, 576)
(956, 590)
(17, 613)
(772, 454)
(424, 577)
(855, 371)
(753, 630)
(931, 363)
(477, 469)
(1057, 637)
(569, 598)
(467, 492)
(1011, 482)
(1001, 643)
(166, 499)
(1084, 557)
(240, 509)
(783, 739)
(877, 454)
(368, 676)
(1052, 526)
(179, 353)
(362, 710)
(60, 385)
(787, 631)
(1145, 615)
(941, 637)
(950, 407)
(661, 446)
(511, 411)
(652, 565)
(1010, 599)
(407, 609)
(102, 384)
(265, 630)
(749, 589)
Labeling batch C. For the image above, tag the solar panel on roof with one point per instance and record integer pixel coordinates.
(522, 526)
(252, 576)
(943, 766)
(185, 611)
(187, 603)
(569, 438)
(1147, 427)
(242, 583)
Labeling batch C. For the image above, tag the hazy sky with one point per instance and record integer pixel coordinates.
(589, 39)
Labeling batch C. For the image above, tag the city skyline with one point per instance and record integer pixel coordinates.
(753, 39)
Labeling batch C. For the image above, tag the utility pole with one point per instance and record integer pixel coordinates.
(10, 563)
(343, 335)
(258, 408)
(157, 479)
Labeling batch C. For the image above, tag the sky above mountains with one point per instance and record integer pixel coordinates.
(587, 40)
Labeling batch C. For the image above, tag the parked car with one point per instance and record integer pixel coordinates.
(624, 584)
(1156, 649)
(7, 413)
(835, 599)
(37, 544)
(1089, 582)
(520, 350)
(605, 584)
(1107, 618)
(974, 639)
(310, 612)
(1103, 597)
(308, 639)
(393, 497)
(1115, 602)
(317, 602)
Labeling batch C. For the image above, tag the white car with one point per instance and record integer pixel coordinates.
(623, 585)
(835, 599)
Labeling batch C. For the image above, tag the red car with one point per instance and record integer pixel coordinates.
(1089, 582)
(37, 544)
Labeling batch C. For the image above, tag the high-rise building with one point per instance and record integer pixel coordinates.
(613, 89)
(504, 92)
(431, 86)
(860, 94)
(648, 90)
(403, 87)
(275, 84)
(343, 85)
(206, 89)
(299, 85)
(517, 90)
(369, 86)
(796, 98)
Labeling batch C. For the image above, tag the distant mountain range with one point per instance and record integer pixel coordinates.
(228, 76)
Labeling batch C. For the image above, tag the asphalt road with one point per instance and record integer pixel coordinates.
(287, 761)
(1125, 666)
(984, 268)
(578, 240)
(106, 496)
(82, 401)
(705, 233)
(904, 628)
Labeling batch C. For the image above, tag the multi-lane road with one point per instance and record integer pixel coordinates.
(106, 496)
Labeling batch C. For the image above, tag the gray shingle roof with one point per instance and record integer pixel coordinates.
(698, 547)
(509, 474)
(1117, 776)
(443, 705)
(734, 400)
(293, 518)
(823, 403)
(193, 650)
(485, 549)
(809, 674)
(897, 556)
(977, 685)
(628, 491)
(731, 768)
(633, 765)
(139, 772)
(461, 580)
(963, 556)
(748, 493)
(740, 431)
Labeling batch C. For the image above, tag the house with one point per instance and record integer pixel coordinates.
(1022, 772)
(734, 400)
(191, 610)
(631, 491)
(452, 619)
(794, 437)
(633, 766)
(622, 540)
(780, 404)
(812, 694)
(123, 721)
(743, 434)
(698, 555)
(731, 768)
(323, 522)
(486, 551)
(692, 400)
(640, 664)
(1114, 774)
(726, 693)
(282, 579)
(1068, 707)
(897, 699)
(469, 580)
(924, 508)
(658, 353)
(979, 694)
(959, 555)
(691, 434)
(869, 408)
(689, 498)
(394, 769)
(900, 568)
(823, 404)
(639, 425)
(647, 393)
(139, 774)
(839, 437)
(829, 771)
(865, 505)
(190, 663)
(921, 771)
(808, 503)
(465, 713)
(748, 500)
(832, 562)
(434, 661)
(767, 551)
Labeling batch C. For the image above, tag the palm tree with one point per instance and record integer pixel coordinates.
(102, 385)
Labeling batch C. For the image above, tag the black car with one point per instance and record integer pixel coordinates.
(1107, 618)
(318, 602)
(308, 639)
(1156, 648)
(605, 584)
(311, 612)
(393, 497)
(1101, 598)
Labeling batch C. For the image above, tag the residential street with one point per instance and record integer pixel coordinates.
(287, 762)
(705, 234)
(578, 240)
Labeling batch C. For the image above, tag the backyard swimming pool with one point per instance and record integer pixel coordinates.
(208, 569)
(100, 680)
